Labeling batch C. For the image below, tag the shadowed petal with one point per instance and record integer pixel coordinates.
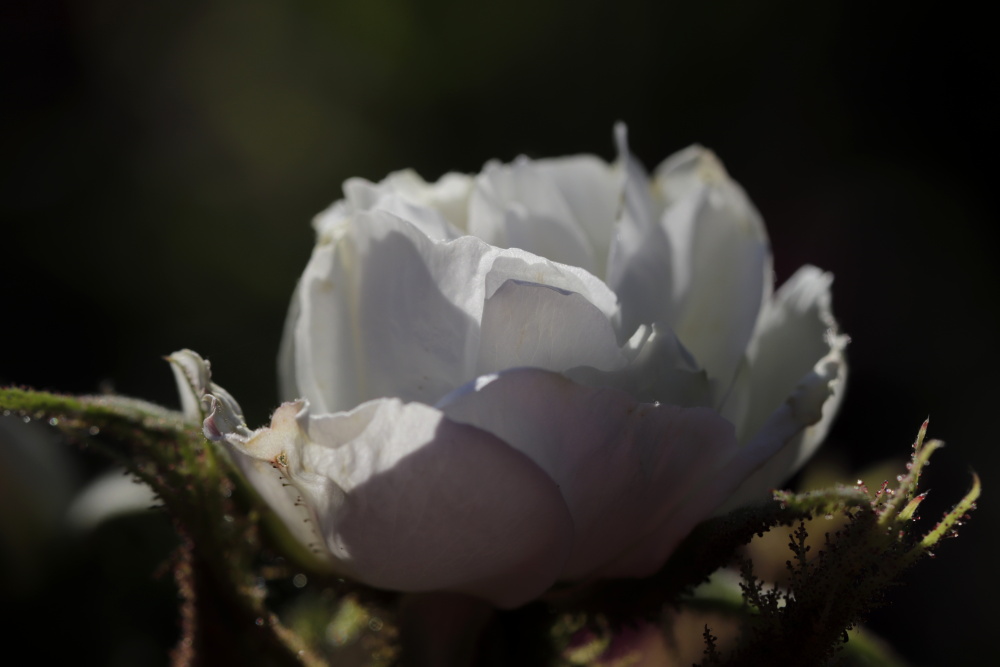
(622, 466)
(408, 500)
(792, 336)
(659, 370)
(798, 357)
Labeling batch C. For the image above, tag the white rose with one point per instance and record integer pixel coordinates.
(550, 371)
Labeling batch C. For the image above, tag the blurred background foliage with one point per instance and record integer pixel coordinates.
(161, 163)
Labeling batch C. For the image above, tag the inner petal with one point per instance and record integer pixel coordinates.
(640, 264)
(526, 324)
(723, 274)
(383, 310)
(516, 206)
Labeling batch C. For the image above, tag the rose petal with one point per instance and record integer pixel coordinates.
(796, 336)
(515, 264)
(367, 196)
(640, 268)
(288, 383)
(526, 324)
(678, 175)
(659, 370)
(592, 191)
(361, 331)
(448, 196)
(193, 376)
(516, 206)
(408, 500)
(793, 334)
(743, 478)
(319, 359)
(794, 430)
(622, 466)
(722, 262)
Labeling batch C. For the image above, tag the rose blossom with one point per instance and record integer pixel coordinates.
(549, 371)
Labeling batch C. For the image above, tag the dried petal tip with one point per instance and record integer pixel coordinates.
(193, 375)
(224, 418)
(254, 453)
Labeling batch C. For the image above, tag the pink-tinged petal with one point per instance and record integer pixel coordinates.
(408, 500)
(527, 324)
(722, 261)
(622, 466)
(740, 479)
(640, 261)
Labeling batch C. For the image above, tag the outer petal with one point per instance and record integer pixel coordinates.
(796, 358)
(622, 466)
(408, 500)
(722, 261)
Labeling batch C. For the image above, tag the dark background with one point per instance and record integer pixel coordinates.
(161, 162)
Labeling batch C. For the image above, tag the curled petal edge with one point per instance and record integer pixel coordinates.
(789, 436)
